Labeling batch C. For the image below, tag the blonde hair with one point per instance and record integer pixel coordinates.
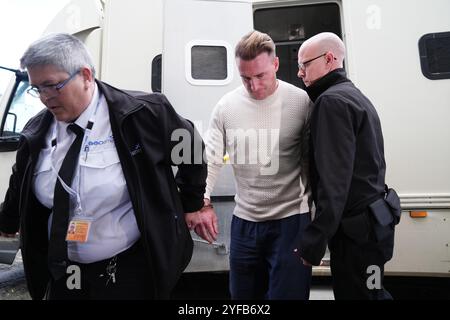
(253, 44)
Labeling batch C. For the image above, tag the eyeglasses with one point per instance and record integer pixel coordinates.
(302, 65)
(50, 90)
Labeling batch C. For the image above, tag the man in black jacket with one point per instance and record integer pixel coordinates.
(347, 175)
(100, 160)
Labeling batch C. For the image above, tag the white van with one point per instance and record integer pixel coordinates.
(398, 54)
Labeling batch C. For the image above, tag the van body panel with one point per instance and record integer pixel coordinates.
(185, 48)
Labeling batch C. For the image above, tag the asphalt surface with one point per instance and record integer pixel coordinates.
(12, 281)
(214, 286)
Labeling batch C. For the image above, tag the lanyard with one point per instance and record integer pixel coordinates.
(85, 146)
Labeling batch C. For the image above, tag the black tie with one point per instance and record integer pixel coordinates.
(57, 248)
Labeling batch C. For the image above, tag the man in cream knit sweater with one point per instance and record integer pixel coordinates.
(263, 127)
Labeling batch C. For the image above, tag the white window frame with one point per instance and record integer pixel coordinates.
(208, 82)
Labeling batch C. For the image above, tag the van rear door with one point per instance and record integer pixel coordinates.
(198, 68)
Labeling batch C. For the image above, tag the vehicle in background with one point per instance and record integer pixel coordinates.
(397, 54)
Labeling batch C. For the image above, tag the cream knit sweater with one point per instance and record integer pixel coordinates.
(267, 144)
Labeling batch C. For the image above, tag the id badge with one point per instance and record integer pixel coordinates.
(78, 230)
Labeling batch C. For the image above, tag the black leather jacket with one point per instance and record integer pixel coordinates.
(142, 127)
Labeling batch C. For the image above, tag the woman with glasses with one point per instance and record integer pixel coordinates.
(100, 216)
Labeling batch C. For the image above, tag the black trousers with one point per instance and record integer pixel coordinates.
(358, 268)
(132, 279)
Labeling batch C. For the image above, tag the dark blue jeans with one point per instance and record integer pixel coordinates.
(263, 264)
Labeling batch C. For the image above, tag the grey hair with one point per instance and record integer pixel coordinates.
(61, 50)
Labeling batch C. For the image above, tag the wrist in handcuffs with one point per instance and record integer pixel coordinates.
(207, 204)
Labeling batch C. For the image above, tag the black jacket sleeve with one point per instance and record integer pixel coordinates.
(334, 143)
(9, 209)
(186, 151)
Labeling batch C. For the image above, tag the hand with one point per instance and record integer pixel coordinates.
(306, 263)
(204, 223)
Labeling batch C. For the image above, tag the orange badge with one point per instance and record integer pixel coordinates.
(78, 231)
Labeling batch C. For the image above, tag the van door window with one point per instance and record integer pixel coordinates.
(290, 26)
(209, 62)
(22, 108)
(156, 73)
(434, 51)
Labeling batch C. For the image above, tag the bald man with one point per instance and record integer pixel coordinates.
(347, 175)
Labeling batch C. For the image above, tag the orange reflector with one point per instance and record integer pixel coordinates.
(418, 214)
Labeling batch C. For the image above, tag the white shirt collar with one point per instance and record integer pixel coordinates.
(87, 113)
(82, 120)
